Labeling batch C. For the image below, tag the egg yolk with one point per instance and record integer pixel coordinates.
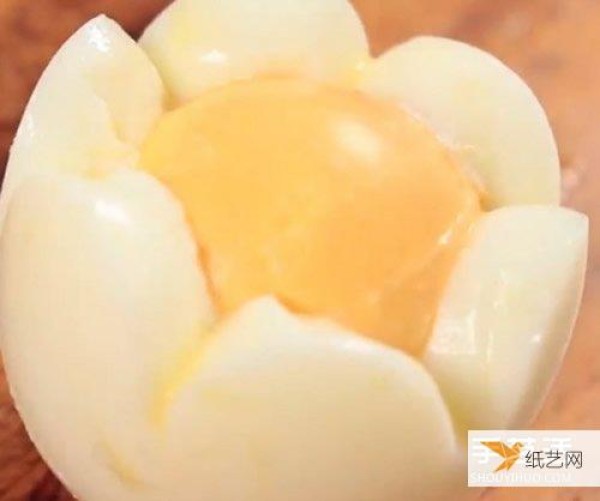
(338, 204)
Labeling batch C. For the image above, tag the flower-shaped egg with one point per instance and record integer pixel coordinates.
(246, 260)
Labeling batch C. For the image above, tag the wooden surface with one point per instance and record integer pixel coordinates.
(554, 44)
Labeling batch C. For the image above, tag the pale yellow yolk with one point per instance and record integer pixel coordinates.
(338, 204)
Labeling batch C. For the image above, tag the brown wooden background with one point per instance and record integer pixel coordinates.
(554, 44)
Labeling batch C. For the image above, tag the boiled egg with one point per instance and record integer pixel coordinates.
(245, 259)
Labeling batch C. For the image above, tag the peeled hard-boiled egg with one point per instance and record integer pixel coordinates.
(246, 260)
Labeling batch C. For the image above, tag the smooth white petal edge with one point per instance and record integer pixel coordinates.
(284, 407)
(199, 44)
(482, 109)
(507, 314)
(92, 107)
(99, 289)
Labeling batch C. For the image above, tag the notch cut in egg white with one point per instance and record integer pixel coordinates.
(481, 108)
(200, 44)
(507, 315)
(91, 109)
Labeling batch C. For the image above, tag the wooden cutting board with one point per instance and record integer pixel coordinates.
(554, 44)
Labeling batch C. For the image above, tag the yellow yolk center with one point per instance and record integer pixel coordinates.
(338, 204)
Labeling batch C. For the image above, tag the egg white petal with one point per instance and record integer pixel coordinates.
(507, 314)
(99, 285)
(199, 44)
(283, 407)
(482, 109)
(93, 105)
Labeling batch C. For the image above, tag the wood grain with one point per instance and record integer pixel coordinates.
(554, 44)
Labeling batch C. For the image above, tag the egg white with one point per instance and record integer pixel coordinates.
(91, 109)
(284, 406)
(199, 44)
(507, 314)
(102, 291)
(481, 109)
(99, 289)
